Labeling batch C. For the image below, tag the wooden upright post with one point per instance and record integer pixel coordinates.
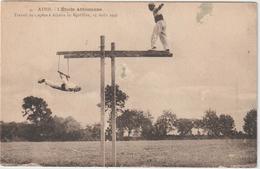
(113, 113)
(102, 98)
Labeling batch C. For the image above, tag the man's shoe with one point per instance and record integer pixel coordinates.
(41, 80)
(153, 48)
(167, 50)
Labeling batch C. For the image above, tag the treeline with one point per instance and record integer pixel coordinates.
(56, 129)
(134, 124)
(131, 124)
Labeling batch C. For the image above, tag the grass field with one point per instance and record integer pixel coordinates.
(173, 153)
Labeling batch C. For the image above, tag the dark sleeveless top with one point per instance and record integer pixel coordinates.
(158, 18)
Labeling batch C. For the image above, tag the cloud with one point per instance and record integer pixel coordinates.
(205, 9)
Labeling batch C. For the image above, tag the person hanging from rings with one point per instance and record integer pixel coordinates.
(64, 86)
(159, 28)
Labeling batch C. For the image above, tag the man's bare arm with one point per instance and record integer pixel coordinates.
(159, 8)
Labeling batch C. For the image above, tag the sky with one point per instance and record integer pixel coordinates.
(214, 63)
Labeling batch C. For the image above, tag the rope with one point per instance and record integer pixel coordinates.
(68, 68)
(68, 65)
(59, 64)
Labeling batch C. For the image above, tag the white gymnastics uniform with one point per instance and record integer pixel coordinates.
(159, 29)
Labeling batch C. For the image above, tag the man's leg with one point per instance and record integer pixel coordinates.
(154, 37)
(163, 36)
(52, 84)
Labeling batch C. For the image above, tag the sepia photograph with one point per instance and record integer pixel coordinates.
(128, 84)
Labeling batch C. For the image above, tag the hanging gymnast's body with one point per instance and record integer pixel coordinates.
(64, 86)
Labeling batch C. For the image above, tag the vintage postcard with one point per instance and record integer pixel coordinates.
(129, 84)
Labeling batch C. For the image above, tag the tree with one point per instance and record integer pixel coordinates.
(226, 123)
(121, 98)
(95, 130)
(66, 129)
(58, 132)
(130, 120)
(36, 110)
(211, 123)
(92, 132)
(18, 132)
(8, 131)
(250, 123)
(184, 126)
(165, 124)
(25, 132)
(135, 121)
(71, 124)
(198, 124)
(147, 126)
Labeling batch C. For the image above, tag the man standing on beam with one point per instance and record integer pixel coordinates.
(159, 28)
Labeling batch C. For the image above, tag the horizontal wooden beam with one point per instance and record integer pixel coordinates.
(97, 54)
